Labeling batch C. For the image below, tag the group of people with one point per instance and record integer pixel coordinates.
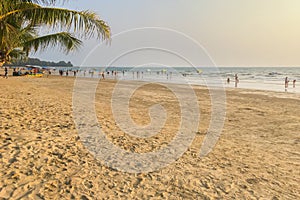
(114, 73)
(236, 80)
(91, 73)
(286, 83)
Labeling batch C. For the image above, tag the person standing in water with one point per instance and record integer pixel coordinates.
(236, 80)
(228, 80)
(286, 83)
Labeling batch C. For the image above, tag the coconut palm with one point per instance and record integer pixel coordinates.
(20, 21)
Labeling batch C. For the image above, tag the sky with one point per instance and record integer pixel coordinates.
(229, 33)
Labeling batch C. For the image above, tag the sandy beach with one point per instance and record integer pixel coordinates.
(42, 156)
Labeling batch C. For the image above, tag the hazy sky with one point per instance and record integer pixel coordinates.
(233, 32)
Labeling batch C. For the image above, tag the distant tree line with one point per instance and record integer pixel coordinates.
(36, 61)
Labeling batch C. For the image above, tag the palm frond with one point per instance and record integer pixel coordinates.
(45, 2)
(19, 20)
(18, 54)
(63, 39)
(86, 22)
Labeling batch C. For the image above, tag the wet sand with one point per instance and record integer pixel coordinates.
(42, 156)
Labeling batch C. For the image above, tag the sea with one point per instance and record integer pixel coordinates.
(258, 78)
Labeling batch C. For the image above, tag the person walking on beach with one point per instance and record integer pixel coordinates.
(294, 83)
(5, 73)
(286, 83)
(236, 80)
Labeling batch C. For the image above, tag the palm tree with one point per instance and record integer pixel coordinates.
(20, 21)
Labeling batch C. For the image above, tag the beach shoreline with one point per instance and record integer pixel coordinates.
(256, 156)
(248, 81)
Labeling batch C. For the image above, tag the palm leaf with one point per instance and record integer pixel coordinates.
(85, 22)
(19, 20)
(65, 40)
(17, 54)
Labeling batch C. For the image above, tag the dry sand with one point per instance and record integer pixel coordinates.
(42, 157)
